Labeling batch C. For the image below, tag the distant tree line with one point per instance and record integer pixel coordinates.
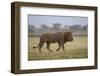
(56, 27)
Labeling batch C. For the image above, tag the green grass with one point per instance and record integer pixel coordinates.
(73, 50)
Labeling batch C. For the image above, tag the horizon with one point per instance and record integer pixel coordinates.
(38, 20)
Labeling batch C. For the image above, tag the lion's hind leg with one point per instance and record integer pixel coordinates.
(48, 45)
(40, 45)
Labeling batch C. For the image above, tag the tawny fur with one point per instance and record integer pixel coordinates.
(60, 37)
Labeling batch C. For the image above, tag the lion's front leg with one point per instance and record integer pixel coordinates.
(59, 45)
(62, 44)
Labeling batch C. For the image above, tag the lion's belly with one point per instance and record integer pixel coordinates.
(53, 39)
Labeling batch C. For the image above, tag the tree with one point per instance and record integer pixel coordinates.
(76, 27)
(56, 26)
(31, 28)
(85, 28)
(44, 26)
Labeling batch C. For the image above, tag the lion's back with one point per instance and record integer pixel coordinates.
(51, 37)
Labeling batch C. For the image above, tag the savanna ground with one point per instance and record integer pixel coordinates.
(76, 49)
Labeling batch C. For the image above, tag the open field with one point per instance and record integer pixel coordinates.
(73, 50)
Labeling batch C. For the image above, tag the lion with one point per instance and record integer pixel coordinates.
(59, 37)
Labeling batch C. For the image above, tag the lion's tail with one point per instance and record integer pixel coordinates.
(36, 46)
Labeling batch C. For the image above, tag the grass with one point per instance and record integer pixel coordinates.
(73, 50)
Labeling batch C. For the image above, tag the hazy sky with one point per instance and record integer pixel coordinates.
(37, 20)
